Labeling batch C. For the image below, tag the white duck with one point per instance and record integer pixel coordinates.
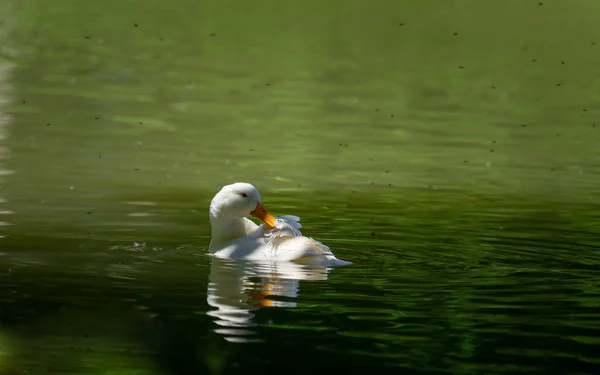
(236, 237)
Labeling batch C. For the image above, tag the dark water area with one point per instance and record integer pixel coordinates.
(448, 149)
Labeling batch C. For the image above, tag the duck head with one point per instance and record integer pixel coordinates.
(240, 200)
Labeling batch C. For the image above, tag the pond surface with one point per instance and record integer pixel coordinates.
(448, 149)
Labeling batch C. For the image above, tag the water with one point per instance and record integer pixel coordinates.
(448, 150)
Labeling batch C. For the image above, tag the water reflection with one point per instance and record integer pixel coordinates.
(237, 288)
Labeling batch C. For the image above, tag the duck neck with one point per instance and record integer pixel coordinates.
(226, 228)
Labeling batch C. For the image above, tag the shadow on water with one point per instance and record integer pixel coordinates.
(512, 292)
(107, 310)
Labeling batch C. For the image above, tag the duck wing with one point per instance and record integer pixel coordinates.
(286, 242)
(285, 226)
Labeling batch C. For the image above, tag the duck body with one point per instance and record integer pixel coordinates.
(276, 239)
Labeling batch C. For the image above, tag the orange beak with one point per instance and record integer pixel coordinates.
(261, 213)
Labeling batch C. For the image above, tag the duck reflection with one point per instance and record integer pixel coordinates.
(236, 288)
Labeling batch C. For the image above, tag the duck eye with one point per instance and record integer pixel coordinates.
(244, 195)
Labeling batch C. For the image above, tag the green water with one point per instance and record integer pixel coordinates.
(448, 148)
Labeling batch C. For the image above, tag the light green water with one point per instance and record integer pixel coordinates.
(448, 148)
